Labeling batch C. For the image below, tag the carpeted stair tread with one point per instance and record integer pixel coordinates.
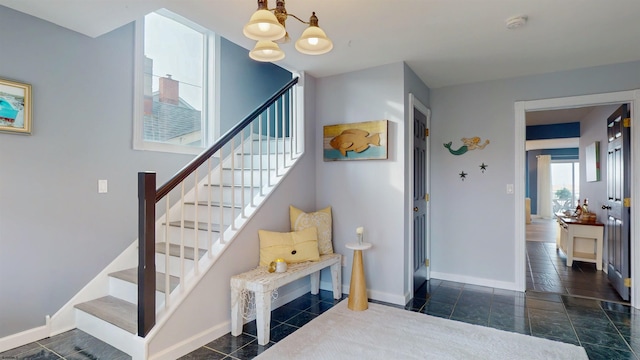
(131, 275)
(190, 224)
(118, 312)
(174, 250)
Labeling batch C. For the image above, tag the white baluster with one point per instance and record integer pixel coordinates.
(196, 233)
(167, 273)
(233, 184)
(210, 233)
(181, 236)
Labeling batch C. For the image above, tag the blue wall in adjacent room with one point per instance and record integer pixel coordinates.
(553, 131)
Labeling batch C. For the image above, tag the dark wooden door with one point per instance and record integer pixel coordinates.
(419, 198)
(618, 198)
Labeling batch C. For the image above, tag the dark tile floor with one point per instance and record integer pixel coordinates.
(71, 345)
(547, 272)
(607, 330)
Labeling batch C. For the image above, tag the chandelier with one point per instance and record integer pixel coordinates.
(267, 27)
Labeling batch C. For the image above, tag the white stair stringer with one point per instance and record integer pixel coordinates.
(209, 243)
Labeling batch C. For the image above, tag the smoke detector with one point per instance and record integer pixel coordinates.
(516, 22)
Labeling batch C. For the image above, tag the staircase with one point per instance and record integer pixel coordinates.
(201, 216)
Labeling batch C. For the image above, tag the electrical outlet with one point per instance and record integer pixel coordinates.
(509, 188)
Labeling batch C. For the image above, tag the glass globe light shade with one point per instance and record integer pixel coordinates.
(263, 25)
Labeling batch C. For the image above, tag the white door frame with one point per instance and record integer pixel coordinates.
(414, 104)
(521, 107)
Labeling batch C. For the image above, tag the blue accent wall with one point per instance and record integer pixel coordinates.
(553, 131)
(245, 83)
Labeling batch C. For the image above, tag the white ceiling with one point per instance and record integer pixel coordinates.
(446, 42)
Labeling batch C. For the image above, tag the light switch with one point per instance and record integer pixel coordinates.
(509, 188)
(102, 186)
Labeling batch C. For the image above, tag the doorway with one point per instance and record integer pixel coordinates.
(558, 187)
(521, 107)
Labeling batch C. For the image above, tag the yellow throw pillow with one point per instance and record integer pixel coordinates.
(293, 247)
(320, 219)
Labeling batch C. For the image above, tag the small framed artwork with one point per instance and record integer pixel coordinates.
(15, 107)
(356, 141)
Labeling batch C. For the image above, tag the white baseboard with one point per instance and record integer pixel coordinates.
(474, 281)
(25, 337)
(371, 294)
(188, 345)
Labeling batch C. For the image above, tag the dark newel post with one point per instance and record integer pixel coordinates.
(146, 252)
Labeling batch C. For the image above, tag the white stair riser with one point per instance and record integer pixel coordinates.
(228, 213)
(129, 292)
(271, 145)
(268, 160)
(243, 177)
(111, 334)
(174, 265)
(224, 196)
(188, 238)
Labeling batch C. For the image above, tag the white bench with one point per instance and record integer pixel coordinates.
(262, 283)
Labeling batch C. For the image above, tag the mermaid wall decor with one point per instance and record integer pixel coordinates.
(468, 144)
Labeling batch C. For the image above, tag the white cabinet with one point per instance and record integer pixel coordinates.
(580, 241)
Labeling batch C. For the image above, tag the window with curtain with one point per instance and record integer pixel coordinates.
(565, 184)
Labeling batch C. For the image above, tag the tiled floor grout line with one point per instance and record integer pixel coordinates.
(564, 307)
(615, 326)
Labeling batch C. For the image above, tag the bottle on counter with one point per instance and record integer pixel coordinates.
(578, 211)
(585, 206)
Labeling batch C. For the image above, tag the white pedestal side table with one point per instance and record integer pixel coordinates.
(358, 286)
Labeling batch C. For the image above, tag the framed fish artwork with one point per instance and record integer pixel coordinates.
(356, 141)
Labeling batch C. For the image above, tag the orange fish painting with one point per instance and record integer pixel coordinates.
(354, 140)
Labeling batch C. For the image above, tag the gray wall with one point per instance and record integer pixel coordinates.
(369, 193)
(473, 220)
(56, 231)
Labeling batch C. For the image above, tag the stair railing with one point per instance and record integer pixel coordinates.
(275, 126)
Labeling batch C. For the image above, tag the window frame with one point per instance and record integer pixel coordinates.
(211, 101)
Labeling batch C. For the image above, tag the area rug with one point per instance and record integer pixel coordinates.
(384, 332)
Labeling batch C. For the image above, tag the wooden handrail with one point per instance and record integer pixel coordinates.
(204, 156)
